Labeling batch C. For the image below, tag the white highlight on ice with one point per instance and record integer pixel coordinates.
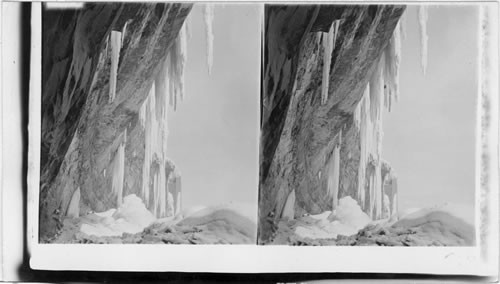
(422, 24)
(208, 15)
(116, 45)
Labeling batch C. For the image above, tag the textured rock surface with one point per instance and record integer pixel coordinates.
(81, 129)
(297, 130)
(220, 227)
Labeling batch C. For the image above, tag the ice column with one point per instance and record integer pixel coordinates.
(116, 45)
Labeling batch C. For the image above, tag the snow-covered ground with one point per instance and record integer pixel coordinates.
(347, 220)
(446, 224)
(230, 223)
(131, 217)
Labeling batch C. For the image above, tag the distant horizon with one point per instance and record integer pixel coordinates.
(429, 137)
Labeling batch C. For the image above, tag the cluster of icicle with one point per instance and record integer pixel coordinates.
(380, 92)
(329, 39)
(166, 90)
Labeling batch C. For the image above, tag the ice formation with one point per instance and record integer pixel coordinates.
(116, 45)
(289, 208)
(392, 58)
(178, 204)
(124, 32)
(167, 89)
(119, 170)
(381, 91)
(422, 24)
(334, 172)
(329, 40)
(153, 118)
(74, 205)
(208, 15)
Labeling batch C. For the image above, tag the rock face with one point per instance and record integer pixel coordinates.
(83, 123)
(299, 132)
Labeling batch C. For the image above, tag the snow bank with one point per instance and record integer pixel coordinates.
(131, 217)
(229, 221)
(445, 223)
(346, 220)
(348, 212)
(460, 211)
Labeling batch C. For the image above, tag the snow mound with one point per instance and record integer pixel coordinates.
(348, 212)
(459, 211)
(236, 223)
(131, 217)
(346, 220)
(444, 223)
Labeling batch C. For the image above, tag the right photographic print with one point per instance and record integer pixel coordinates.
(368, 125)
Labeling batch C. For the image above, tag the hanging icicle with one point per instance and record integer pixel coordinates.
(402, 25)
(392, 57)
(124, 32)
(422, 24)
(329, 40)
(208, 15)
(116, 46)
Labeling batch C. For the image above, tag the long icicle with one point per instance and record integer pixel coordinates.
(422, 24)
(116, 45)
(208, 15)
(329, 40)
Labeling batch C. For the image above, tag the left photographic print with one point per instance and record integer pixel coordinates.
(149, 124)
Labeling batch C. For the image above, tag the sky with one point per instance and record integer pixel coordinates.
(429, 137)
(213, 134)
